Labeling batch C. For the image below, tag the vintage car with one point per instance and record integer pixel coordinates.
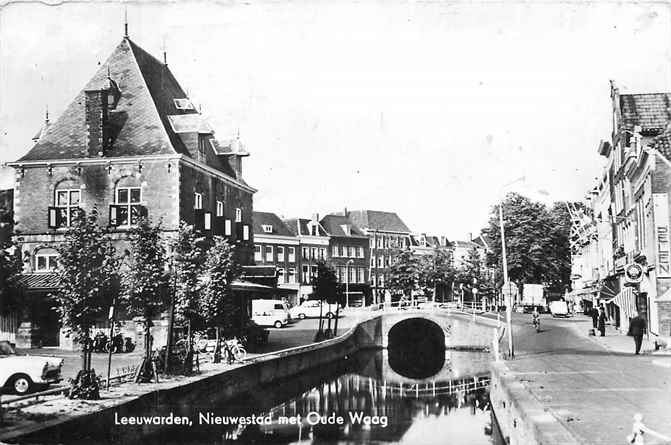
(22, 374)
(313, 309)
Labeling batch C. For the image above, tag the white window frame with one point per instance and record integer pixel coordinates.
(380, 261)
(280, 254)
(322, 253)
(292, 254)
(334, 251)
(258, 252)
(220, 208)
(359, 252)
(280, 275)
(305, 252)
(228, 229)
(245, 232)
(305, 274)
(68, 206)
(291, 278)
(183, 104)
(197, 201)
(360, 275)
(238, 214)
(48, 258)
(268, 254)
(267, 228)
(129, 204)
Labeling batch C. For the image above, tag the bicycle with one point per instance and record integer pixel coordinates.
(235, 351)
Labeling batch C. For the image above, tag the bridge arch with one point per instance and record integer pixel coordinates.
(416, 347)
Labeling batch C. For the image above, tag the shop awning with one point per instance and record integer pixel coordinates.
(248, 286)
(610, 288)
(626, 301)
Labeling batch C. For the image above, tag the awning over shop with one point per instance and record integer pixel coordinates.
(610, 288)
(248, 286)
(626, 301)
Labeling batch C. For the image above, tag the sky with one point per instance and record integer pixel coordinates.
(422, 108)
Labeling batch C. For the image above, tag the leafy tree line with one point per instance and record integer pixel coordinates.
(537, 241)
(93, 277)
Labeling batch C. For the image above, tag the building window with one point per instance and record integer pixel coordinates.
(280, 254)
(322, 253)
(372, 279)
(292, 275)
(257, 253)
(313, 253)
(359, 252)
(128, 201)
(292, 255)
(238, 215)
(280, 275)
(341, 274)
(220, 208)
(351, 274)
(46, 260)
(183, 104)
(350, 251)
(197, 201)
(380, 280)
(372, 261)
(306, 274)
(334, 251)
(372, 242)
(306, 252)
(361, 275)
(269, 254)
(245, 232)
(67, 203)
(379, 243)
(267, 228)
(341, 251)
(228, 231)
(380, 261)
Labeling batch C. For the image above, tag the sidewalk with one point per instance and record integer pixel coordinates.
(592, 385)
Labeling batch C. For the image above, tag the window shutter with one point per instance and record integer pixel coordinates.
(113, 215)
(199, 219)
(228, 230)
(219, 222)
(52, 218)
(238, 231)
(207, 221)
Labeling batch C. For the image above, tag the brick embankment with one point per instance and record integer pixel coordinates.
(564, 387)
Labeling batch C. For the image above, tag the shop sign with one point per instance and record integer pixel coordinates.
(661, 209)
(633, 273)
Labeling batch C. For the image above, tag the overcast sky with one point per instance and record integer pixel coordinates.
(423, 108)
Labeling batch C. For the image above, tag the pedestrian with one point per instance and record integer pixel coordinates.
(595, 316)
(639, 430)
(602, 321)
(637, 327)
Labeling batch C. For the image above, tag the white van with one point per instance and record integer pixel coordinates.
(270, 313)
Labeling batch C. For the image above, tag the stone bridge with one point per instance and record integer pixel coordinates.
(454, 330)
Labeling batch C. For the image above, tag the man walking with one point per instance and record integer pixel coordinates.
(595, 316)
(637, 327)
(602, 321)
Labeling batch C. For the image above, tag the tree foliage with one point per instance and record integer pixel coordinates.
(436, 271)
(10, 270)
(537, 243)
(405, 272)
(144, 282)
(87, 278)
(188, 262)
(218, 304)
(325, 284)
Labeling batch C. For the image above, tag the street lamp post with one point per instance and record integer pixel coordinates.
(347, 282)
(509, 308)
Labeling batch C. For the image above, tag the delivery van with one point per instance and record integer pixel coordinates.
(559, 308)
(270, 313)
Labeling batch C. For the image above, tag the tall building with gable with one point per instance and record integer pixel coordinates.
(130, 144)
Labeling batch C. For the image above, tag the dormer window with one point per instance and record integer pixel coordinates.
(113, 94)
(313, 229)
(267, 228)
(183, 104)
(347, 229)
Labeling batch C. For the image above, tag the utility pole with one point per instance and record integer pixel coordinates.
(509, 308)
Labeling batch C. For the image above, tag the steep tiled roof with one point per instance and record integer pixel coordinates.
(333, 226)
(650, 111)
(259, 219)
(39, 281)
(140, 123)
(299, 226)
(662, 143)
(378, 220)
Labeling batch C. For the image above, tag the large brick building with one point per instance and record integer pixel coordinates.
(314, 244)
(387, 234)
(131, 143)
(276, 246)
(349, 257)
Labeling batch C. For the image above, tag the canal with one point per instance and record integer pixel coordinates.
(360, 400)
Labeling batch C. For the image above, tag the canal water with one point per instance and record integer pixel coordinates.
(361, 400)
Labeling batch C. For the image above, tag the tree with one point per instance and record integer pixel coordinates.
(404, 273)
(436, 272)
(87, 281)
(10, 271)
(144, 282)
(325, 285)
(218, 301)
(189, 252)
(536, 241)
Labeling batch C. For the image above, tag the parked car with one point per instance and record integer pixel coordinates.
(312, 309)
(270, 313)
(559, 308)
(450, 305)
(22, 374)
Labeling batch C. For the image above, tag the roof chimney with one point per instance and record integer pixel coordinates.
(345, 212)
(315, 217)
(95, 109)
